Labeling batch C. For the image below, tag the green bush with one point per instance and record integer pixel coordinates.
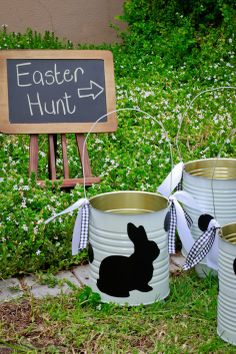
(31, 40)
(175, 30)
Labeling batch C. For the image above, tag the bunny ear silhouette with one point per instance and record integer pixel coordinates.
(234, 266)
(136, 234)
(132, 231)
(141, 231)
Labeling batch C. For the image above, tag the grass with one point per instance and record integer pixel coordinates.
(80, 323)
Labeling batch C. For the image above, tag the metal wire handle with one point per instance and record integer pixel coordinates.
(148, 116)
(190, 104)
(233, 132)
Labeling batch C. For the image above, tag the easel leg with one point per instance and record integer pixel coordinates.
(52, 151)
(52, 141)
(64, 156)
(33, 154)
(86, 163)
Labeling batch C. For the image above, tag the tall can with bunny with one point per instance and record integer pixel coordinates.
(128, 247)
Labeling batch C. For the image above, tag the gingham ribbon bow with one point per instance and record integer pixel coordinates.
(80, 232)
(179, 219)
(202, 246)
(177, 212)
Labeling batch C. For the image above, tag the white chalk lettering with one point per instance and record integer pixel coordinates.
(75, 73)
(53, 111)
(40, 78)
(58, 103)
(57, 73)
(51, 107)
(19, 74)
(49, 77)
(67, 97)
(37, 104)
(67, 73)
(49, 74)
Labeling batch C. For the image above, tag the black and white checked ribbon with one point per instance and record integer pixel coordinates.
(173, 226)
(202, 246)
(179, 219)
(80, 232)
(84, 227)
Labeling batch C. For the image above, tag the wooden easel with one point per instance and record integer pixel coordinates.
(67, 181)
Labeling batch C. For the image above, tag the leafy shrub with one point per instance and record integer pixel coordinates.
(31, 40)
(174, 30)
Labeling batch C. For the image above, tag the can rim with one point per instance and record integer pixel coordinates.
(94, 201)
(204, 168)
(228, 233)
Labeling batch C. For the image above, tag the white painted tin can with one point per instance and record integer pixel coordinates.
(212, 182)
(128, 251)
(226, 312)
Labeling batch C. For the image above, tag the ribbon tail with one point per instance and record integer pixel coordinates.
(200, 249)
(188, 218)
(76, 233)
(172, 180)
(187, 199)
(182, 227)
(212, 256)
(74, 206)
(172, 229)
(84, 227)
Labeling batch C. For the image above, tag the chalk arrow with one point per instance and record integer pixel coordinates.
(93, 91)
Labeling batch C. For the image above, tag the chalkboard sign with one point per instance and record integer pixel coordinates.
(56, 91)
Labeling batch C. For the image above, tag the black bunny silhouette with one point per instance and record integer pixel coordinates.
(118, 275)
(234, 266)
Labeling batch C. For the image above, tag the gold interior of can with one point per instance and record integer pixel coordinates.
(129, 202)
(221, 169)
(228, 233)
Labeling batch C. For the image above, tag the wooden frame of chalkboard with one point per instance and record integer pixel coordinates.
(56, 91)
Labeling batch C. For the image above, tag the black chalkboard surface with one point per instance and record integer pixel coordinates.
(56, 91)
(59, 92)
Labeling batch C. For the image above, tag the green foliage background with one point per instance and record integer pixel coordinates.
(170, 53)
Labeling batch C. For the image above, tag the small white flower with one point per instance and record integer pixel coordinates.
(38, 252)
(23, 204)
(40, 221)
(25, 188)
(25, 227)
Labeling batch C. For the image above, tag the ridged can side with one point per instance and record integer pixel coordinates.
(216, 197)
(108, 238)
(226, 312)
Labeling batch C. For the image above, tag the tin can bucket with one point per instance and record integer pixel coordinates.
(128, 250)
(226, 312)
(212, 182)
